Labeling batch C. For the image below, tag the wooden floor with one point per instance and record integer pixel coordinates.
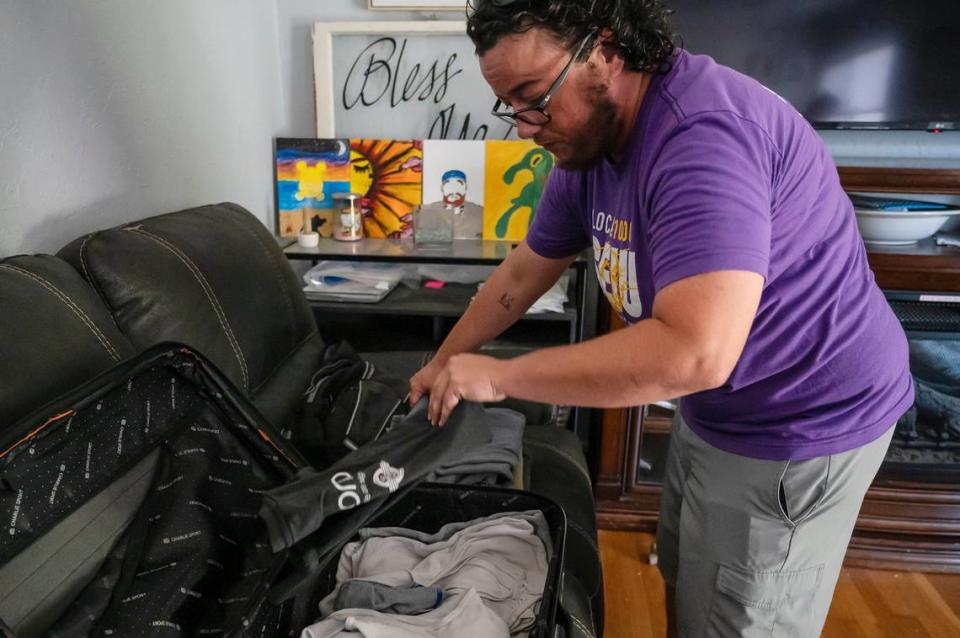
(866, 603)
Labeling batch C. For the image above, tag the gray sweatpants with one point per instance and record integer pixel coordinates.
(754, 547)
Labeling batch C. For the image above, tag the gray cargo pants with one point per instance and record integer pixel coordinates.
(754, 547)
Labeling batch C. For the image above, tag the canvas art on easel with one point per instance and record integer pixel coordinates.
(309, 172)
(453, 177)
(516, 172)
(387, 175)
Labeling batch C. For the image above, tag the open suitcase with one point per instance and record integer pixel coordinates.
(136, 506)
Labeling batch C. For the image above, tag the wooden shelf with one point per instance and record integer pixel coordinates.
(939, 181)
(922, 266)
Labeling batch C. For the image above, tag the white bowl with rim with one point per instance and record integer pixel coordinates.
(900, 227)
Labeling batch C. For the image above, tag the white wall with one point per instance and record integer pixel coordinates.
(111, 110)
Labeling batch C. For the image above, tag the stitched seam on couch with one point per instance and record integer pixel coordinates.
(596, 549)
(83, 259)
(296, 349)
(73, 306)
(211, 296)
(95, 283)
(266, 251)
(557, 450)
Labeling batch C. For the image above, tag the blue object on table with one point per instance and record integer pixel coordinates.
(885, 203)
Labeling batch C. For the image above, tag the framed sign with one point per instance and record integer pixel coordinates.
(401, 80)
(440, 5)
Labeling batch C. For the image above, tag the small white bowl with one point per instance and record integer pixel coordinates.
(308, 240)
(893, 228)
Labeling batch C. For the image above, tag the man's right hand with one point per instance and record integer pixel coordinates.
(422, 382)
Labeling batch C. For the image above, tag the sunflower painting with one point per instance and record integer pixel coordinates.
(388, 174)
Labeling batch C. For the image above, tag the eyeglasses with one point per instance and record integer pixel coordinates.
(537, 115)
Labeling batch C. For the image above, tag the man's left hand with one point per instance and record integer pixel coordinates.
(470, 377)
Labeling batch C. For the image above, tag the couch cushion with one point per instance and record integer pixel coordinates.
(215, 279)
(54, 334)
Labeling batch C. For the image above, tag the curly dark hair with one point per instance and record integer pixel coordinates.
(640, 28)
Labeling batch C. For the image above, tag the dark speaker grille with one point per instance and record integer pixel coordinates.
(931, 316)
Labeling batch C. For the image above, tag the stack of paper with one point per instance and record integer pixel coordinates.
(360, 282)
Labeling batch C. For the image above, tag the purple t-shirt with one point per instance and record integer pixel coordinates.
(722, 174)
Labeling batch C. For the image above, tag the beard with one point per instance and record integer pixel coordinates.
(596, 137)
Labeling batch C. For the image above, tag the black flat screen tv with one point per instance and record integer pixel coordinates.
(844, 64)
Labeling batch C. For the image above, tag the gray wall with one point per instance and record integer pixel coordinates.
(858, 148)
(918, 149)
(295, 19)
(112, 110)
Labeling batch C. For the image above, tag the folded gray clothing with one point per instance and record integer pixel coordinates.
(501, 557)
(535, 517)
(480, 478)
(472, 474)
(364, 594)
(400, 457)
(461, 615)
(493, 462)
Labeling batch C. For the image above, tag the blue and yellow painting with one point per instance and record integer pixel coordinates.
(309, 172)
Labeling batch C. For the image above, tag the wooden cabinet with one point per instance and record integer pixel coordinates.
(903, 524)
(627, 485)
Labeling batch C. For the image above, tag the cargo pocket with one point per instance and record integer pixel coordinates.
(753, 604)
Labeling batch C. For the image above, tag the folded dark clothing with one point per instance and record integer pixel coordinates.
(480, 474)
(365, 594)
(343, 407)
(402, 456)
(340, 366)
(492, 463)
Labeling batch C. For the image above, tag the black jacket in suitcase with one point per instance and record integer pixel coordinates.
(132, 506)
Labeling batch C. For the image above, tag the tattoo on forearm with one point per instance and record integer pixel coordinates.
(506, 300)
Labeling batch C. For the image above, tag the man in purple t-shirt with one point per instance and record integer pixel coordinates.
(722, 237)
